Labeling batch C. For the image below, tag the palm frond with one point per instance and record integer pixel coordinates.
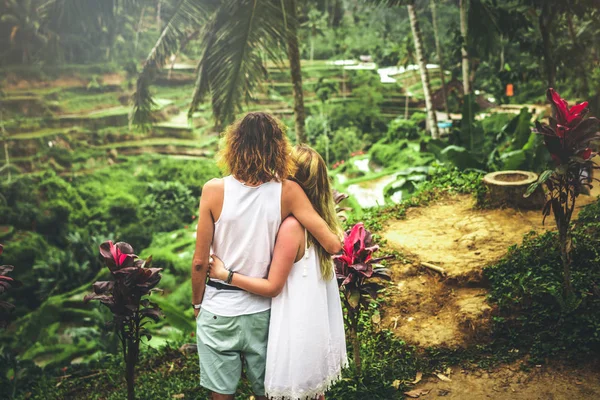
(185, 15)
(231, 66)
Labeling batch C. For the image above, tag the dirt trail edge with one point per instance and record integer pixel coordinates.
(429, 309)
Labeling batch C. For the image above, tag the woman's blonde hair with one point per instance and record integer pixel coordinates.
(255, 149)
(311, 174)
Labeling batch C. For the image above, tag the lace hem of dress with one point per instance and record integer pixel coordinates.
(308, 394)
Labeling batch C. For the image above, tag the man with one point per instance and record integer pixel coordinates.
(239, 217)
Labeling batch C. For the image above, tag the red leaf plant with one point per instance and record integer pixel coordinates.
(567, 137)
(133, 278)
(356, 269)
(338, 197)
(6, 283)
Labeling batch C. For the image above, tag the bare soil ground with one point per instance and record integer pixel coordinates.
(426, 308)
(557, 382)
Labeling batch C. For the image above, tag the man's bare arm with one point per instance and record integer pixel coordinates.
(204, 238)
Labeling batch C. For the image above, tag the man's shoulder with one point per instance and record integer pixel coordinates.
(214, 184)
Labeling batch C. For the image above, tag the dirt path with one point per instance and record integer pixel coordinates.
(426, 308)
(510, 382)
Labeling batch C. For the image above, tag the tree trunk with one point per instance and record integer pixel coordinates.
(566, 260)
(132, 350)
(4, 137)
(158, 11)
(139, 28)
(293, 54)
(354, 337)
(438, 49)
(431, 117)
(466, 73)
(585, 88)
(545, 19)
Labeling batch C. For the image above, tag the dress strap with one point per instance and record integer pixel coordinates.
(305, 270)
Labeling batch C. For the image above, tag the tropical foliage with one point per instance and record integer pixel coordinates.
(6, 283)
(356, 271)
(134, 278)
(567, 138)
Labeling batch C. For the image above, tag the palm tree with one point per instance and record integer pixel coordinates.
(438, 50)
(414, 25)
(316, 24)
(293, 53)
(465, 53)
(25, 28)
(235, 36)
(84, 26)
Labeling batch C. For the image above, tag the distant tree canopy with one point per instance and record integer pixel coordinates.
(522, 42)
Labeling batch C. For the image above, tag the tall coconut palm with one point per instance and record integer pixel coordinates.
(316, 24)
(414, 24)
(438, 50)
(293, 53)
(23, 20)
(235, 35)
(466, 72)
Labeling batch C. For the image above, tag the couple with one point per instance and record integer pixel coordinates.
(272, 238)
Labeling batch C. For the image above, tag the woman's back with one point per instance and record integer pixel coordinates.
(306, 349)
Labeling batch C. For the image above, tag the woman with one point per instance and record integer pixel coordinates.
(306, 350)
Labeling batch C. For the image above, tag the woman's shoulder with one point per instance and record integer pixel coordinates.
(290, 186)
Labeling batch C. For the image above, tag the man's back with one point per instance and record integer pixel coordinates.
(244, 236)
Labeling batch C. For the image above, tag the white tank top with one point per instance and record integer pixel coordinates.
(244, 239)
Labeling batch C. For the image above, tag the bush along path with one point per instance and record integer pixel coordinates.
(474, 287)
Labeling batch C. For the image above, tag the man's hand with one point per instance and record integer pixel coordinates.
(196, 312)
(216, 269)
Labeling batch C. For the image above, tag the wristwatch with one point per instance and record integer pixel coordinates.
(196, 306)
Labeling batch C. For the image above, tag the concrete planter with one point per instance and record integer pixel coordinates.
(506, 189)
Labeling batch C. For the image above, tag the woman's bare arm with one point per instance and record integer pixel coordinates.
(289, 240)
(295, 202)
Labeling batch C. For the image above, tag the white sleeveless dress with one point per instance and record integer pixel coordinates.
(307, 345)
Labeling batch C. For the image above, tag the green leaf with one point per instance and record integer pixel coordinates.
(353, 296)
(513, 159)
(459, 157)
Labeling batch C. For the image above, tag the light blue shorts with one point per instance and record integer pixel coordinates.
(222, 341)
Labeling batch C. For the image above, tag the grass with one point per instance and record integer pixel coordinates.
(199, 144)
(75, 102)
(46, 132)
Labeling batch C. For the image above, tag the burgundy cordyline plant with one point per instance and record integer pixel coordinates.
(356, 270)
(567, 138)
(133, 279)
(6, 283)
(338, 197)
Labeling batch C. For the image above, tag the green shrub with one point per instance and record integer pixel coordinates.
(167, 205)
(363, 110)
(401, 128)
(344, 143)
(193, 174)
(400, 154)
(590, 213)
(495, 122)
(526, 285)
(123, 208)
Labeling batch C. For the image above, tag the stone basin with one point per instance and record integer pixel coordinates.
(506, 189)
